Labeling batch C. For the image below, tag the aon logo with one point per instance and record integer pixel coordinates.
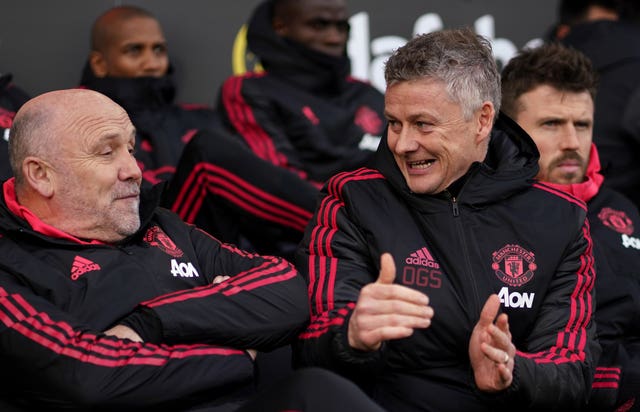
(630, 241)
(515, 299)
(184, 270)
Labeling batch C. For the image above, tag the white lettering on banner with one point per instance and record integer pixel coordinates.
(630, 241)
(515, 299)
(367, 62)
(182, 269)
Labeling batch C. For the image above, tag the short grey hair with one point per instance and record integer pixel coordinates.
(459, 58)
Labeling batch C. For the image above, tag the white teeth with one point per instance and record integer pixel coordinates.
(422, 164)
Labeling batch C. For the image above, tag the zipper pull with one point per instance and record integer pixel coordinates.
(454, 206)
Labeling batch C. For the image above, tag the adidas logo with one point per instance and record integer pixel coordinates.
(81, 266)
(422, 257)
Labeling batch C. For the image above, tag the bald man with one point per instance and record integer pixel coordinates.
(129, 63)
(85, 250)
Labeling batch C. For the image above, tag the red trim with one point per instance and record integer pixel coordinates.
(560, 193)
(271, 271)
(60, 337)
(608, 385)
(571, 341)
(323, 265)
(36, 224)
(211, 179)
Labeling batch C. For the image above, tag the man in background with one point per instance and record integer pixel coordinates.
(129, 62)
(550, 92)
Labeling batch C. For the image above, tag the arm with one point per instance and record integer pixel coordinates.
(218, 165)
(553, 369)
(261, 306)
(352, 313)
(49, 358)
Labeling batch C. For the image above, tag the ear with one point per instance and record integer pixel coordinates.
(98, 64)
(38, 175)
(485, 121)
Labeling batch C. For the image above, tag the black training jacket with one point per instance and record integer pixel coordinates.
(163, 126)
(296, 124)
(503, 233)
(11, 99)
(58, 293)
(615, 229)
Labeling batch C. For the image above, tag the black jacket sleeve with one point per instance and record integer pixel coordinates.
(263, 305)
(52, 360)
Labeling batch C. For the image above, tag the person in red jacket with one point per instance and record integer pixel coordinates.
(550, 92)
(108, 302)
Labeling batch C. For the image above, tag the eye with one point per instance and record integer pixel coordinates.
(583, 125)
(551, 123)
(133, 50)
(160, 49)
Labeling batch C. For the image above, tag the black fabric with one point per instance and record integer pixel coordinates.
(614, 49)
(58, 294)
(455, 251)
(163, 127)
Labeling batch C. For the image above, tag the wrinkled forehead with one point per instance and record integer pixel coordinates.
(84, 124)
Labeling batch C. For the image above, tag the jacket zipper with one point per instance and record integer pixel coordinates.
(468, 268)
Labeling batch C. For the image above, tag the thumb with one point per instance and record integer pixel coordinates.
(490, 310)
(387, 269)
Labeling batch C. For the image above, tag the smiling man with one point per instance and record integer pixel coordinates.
(432, 279)
(85, 250)
(550, 92)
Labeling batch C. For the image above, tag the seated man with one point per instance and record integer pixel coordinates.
(294, 125)
(129, 63)
(550, 92)
(452, 205)
(84, 250)
(11, 98)
(599, 30)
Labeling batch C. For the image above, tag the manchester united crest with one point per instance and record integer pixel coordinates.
(514, 265)
(157, 238)
(616, 220)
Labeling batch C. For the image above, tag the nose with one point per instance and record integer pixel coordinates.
(129, 169)
(405, 141)
(569, 139)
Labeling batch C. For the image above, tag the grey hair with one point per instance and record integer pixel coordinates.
(27, 137)
(459, 58)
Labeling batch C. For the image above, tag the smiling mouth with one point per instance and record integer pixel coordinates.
(422, 164)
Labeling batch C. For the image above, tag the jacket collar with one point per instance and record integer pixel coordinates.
(14, 216)
(510, 166)
(133, 94)
(309, 70)
(586, 190)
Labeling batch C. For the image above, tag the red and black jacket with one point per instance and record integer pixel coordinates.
(58, 293)
(615, 229)
(501, 232)
(297, 124)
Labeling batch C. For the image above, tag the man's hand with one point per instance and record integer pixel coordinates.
(490, 349)
(124, 332)
(386, 311)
